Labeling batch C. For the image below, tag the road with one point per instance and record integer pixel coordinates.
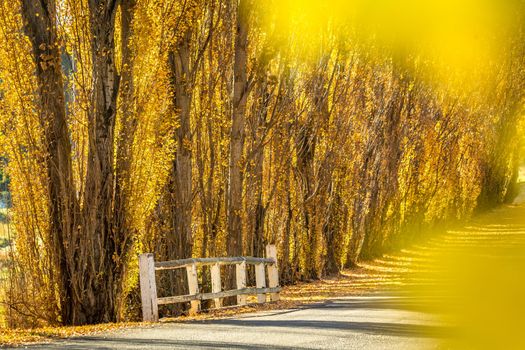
(369, 322)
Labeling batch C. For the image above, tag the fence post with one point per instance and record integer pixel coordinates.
(240, 274)
(193, 287)
(273, 271)
(216, 283)
(148, 288)
(260, 281)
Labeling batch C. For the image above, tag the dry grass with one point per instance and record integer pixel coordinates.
(10, 337)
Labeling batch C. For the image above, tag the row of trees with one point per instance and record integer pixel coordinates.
(208, 128)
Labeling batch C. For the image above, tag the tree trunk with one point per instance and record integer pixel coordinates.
(128, 125)
(334, 230)
(306, 143)
(240, 95)
(180, 240)
(365, 199)
(176, 207)
(234, 242)
(313, 187)
(99, 282)
(41, 28)
(388, 168)
(255, 208)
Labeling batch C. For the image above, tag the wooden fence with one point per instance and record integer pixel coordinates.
(148, 288)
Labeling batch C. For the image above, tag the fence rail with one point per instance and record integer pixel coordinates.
(148, 287)
(175, 264)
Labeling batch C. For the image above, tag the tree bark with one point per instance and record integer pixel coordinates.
(101, 248)
(256, 210)
(180, 240)
(234, 240)
(41, 27)
(128, 125)
(313, 186)
(240, 95)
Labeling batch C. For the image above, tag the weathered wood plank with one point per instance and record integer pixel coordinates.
(260, 281)
(193, 287)
(177, 299)
(176, 264)
(240, 275)
(148, 288)
(273, 270)
(223, 294)
(216, 283)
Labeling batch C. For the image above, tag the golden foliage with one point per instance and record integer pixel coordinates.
(360, 132)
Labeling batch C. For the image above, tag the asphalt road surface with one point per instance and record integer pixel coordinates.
(369, 322)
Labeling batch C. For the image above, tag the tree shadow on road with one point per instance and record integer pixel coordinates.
(101, 343)
(379, 328)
